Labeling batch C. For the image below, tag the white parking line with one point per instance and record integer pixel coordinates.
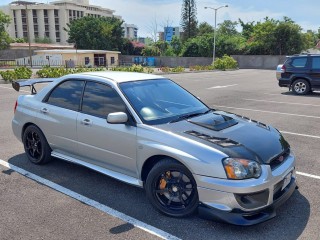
(255, 110)
(299, 134)
(308, 175)
(145, 227)
(301, 104)
(279, 94)
(222, 86)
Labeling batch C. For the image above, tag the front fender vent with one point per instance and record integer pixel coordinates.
(222, 142)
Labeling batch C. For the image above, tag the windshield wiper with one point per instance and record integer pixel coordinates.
(187, 116)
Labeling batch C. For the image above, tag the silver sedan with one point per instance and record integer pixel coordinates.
(148, 131)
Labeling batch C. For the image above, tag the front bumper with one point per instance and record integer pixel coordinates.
(250, 201)
(240, 217)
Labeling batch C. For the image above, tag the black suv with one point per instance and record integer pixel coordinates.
(301, 73)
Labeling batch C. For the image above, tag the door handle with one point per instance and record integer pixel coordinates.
(44, 110)
(86, 122)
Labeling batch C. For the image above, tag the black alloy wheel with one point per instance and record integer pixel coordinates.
(36, 146)
(172, 189)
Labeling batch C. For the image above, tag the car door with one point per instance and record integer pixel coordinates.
(315, 71)
(58, 114)
(112, 146)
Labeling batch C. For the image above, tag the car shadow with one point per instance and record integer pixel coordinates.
(290, 222)
(314, 94)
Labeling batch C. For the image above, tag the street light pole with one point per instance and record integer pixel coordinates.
(215, 30)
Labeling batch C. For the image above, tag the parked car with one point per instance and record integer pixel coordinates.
(301, 73)
(148, 131)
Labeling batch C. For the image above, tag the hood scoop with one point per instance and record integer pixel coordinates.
(222, 142)
(217, 122)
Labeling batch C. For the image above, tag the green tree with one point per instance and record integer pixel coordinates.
(247, 28)
(189, 19)
(4, 36)
(200, 46)
(176, 45)
(205, 28)
(228, 28)
(96, 33)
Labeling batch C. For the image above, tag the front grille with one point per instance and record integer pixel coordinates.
(280, 159)
(222, 142)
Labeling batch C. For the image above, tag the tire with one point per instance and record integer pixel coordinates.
(301, 87)
(36, 146)
(171, 189)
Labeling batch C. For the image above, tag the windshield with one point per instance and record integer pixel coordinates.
(161, 101)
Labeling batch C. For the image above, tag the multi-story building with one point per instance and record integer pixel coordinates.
(168, 33)
(49, 20)
(130, 31)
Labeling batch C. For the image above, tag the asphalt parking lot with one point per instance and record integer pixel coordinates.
(65, 201)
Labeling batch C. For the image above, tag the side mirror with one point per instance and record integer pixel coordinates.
(117, 118)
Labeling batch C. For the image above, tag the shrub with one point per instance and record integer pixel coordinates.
(177, 69)
(17, 73)
(52, 72)
(226, 62)
(8, 75)
(165, 69)
(201, 68)
(23, 72)
(133, 68)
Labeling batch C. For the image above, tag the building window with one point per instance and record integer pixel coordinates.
(56, 13)
(86, 60)
(45, 13)
(112, 60)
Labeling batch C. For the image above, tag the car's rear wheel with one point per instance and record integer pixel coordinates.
(301, 87)
(36, 146)
(171, 189)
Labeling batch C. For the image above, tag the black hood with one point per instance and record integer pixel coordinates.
(236, 136)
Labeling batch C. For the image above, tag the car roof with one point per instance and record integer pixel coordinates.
(122, 76)
(303, 55)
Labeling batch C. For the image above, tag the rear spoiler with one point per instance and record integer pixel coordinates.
(24, 83)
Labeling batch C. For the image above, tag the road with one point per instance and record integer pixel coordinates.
(65, 201)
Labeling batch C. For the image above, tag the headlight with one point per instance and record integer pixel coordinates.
(237, 168)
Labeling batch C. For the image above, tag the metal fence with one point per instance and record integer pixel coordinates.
(5, 63)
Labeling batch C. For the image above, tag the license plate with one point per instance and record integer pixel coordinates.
(286, 181)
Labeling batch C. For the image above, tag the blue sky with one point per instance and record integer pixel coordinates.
(147, 14)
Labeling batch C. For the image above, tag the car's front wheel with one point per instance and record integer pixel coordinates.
(301, 87)
(171, 189)
(35, 145)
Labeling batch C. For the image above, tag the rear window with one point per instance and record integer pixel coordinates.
(299, 62)
(67, 95)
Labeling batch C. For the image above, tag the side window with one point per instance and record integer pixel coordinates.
(100, 100)
(299, 62)
(67, 95)
(316, 63)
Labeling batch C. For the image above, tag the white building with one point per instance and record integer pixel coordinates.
(49, 20)
(130, 31)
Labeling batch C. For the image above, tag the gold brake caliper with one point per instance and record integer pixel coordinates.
(163, 182)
